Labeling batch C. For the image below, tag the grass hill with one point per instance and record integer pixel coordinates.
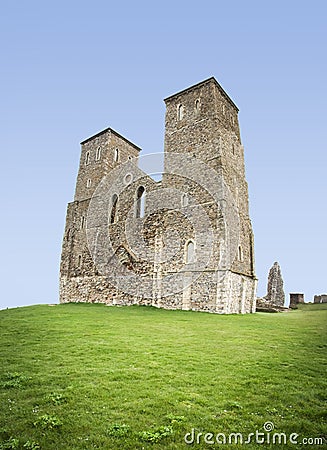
(82, 376)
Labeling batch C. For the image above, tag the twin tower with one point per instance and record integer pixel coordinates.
(184, 242)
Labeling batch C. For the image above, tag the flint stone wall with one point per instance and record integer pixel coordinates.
(207, 131)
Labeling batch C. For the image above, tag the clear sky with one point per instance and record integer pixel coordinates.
(72, 68)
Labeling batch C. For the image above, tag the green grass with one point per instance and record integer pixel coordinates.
(82, 376)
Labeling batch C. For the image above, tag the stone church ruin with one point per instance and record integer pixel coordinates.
(184, 242)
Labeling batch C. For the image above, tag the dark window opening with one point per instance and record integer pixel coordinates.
(140, 202)
(113, 215)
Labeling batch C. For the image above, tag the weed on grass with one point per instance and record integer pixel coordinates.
(47, 422)
(117, 430)
(56, 398)
(31, 445)
(175, 420)
(11, 443)
(156, 435)
(13, 380)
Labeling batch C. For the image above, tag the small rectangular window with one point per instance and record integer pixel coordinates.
(87, 158)
(180, 112)
(140, 202)
(184, 199)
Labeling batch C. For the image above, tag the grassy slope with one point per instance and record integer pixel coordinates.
(137, 365)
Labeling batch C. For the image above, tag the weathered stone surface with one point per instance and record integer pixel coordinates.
(275, 288)
(114, 254)
(295, 299)
(322, 298)
(263, 306)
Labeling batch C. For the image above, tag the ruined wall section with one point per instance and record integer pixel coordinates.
(135, 234)
(76, 260)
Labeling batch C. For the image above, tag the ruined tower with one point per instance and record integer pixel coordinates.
(184, 242)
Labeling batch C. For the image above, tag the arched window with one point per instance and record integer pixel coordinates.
(190, 252)
(240, 253)
(88, 183)
(116, 155)
(140, 202)
(98, 154)
(113, 215)
(79, 260)
(180, 112)
(184, 199)
(87, 158)
(82, 222)
(197, 106)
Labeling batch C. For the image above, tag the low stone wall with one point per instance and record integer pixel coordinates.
(232, 294)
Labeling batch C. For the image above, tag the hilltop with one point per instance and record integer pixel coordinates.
(82, 376)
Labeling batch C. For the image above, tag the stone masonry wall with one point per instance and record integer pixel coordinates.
(116, 255)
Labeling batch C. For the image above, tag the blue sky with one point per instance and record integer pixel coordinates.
(70, 69)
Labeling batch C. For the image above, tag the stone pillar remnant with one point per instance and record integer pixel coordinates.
(275, 289)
